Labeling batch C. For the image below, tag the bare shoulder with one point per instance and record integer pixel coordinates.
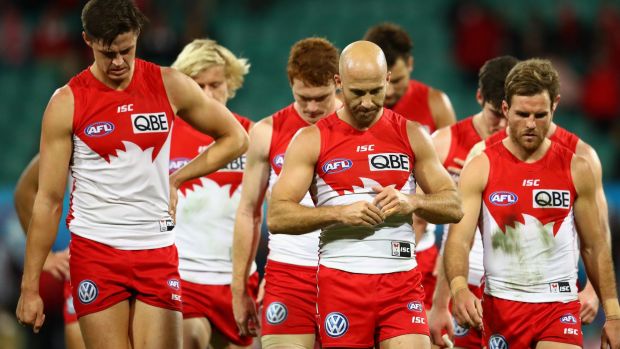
(476, 172)
(417, 133)
(60, 108)
(442, 136)
(585, 150)
(441, 108)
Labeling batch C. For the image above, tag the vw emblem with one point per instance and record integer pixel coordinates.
(87, 291)
(336, 324)
(497, 342)
(459, 331)
(276, 313)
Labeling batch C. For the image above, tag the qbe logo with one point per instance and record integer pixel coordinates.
(503, 198)
(337, 165)
(237, 165)
(87, 291)
(336, 325)
(389, 162)
(498, 342)
(568, 319)
(278, 160)
(550, 198)
(99, 129)
(149, 123)
(416, 306)
(276, 313)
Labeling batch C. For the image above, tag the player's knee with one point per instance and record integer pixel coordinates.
(287, 342)
(196, 333)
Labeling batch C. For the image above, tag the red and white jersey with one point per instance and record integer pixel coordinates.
(292, 249)
(121, 149)
(463, 136)
(350, 163)
(528, 228)
(206, 210)
(560, 135)
(413, 105)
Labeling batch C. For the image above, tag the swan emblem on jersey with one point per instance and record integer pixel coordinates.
(336, 324)
(276, 313)
(498, 342)
(87, 291)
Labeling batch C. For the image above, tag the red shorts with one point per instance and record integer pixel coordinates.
(289, 306)
(522, 325)
(68, 309)
(427, 260)
(361, 310)
(214, 302)
(469, 338)
(102, 276)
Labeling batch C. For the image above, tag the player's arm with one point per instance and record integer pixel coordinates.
(248, 219)
(595, 249)
(208, 116)
(286, 215)
(441, 202)
(55, 150)
(441, 108)
(466, 307)
(56, 263)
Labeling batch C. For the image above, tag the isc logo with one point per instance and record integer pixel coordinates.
(99, 129)
(389, 162)
(177, 163)
(503, 198)
(149, 123)
(401, 249)
(337, 165)
(549, 198)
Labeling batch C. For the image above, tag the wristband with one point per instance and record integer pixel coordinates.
(612, 309)
(457, 284)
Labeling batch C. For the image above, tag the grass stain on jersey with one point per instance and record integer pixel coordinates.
(508, 242)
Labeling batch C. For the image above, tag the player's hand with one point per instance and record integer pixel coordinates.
(392, 202)
(361, 213)
(589, 304)
(467, 309)
(246, 315)
(440, 321)
(57, 264)
(610, 336)
(456, 171)
(30, 310)
(174, 199)
(261, 292)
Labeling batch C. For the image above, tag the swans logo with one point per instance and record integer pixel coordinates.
(497, 342)
(87, 291)
(336, 325)
(99, 129)
(276, 313)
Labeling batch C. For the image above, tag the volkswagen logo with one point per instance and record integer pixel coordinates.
(87, 291)
(497, 342)
(336, 324)
(459, 331)
(276, 313)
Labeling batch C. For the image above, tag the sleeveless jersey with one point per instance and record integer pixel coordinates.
(561, 136)
(206, 210)
(414, 106)
(350, 163)
(292, 249)
(121, 149)
(528, 228)
(463, 136)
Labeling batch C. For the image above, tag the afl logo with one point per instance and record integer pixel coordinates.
(336, 325)
(99, 129)
(337, 165)
(415, 306)
(87, 291)
(503, 198)
(568, 319)
(174, 284)
(276, 313)
(458, 330)
(177, 163)
(278, 160)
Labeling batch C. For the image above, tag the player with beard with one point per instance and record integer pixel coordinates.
(358, 164)
(289, 304)
(531, 197)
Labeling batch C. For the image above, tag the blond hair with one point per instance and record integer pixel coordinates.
(202, 54)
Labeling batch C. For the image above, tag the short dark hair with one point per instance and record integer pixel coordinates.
(491, 78)
(313, 61)
(393, 40)
(104, 20)
(531, 77)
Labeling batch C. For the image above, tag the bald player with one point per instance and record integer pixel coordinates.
(358, 164)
